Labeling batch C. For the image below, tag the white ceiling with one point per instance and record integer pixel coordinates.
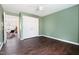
(31, 8)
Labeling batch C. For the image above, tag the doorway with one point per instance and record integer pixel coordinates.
(11, 27)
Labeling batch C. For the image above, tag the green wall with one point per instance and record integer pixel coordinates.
(62, 24)
(1, 22)
(21, 25)
(10, 13)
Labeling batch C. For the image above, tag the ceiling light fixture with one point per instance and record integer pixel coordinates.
(39, 8)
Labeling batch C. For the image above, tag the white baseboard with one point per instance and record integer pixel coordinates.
(60, 39)
(1, 45)
(30, 37)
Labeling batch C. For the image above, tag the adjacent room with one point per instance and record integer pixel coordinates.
(39, 29)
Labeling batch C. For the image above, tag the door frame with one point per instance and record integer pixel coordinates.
(5, 37)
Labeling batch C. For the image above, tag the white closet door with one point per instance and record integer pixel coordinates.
(30, 27)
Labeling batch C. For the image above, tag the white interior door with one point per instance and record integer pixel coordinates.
(30, 27)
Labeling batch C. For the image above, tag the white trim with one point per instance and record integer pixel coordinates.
(57, 39)
(60, 39)
(1, 45)
(5, 39)
(30, 37)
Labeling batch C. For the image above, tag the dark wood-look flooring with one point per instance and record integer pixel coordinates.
(38, 46)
